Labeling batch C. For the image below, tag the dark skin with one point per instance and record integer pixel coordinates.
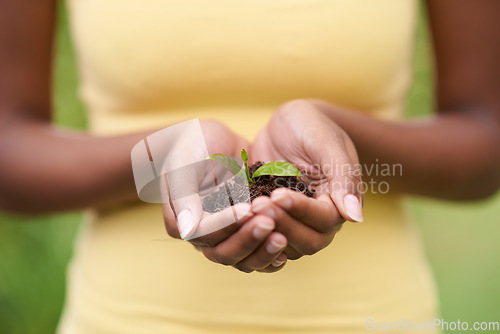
(453, 155)
(36, 157)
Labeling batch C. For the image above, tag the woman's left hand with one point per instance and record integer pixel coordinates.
(301, 134)
(234, 236)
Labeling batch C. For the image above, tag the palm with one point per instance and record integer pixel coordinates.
(286, 138)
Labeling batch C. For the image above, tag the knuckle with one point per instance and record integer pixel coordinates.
(333, 225)
(226, 261)
(279, 214)
(281, 220)
(347, 179)
(294, 256)
(172, 231)
(352, 174)
(203, 242)
(354, 178)
(336, 230)
(271, 269)
(248, 247)
(249, 242)
(308, 249)
(217, 257)
(209, 240)
(256, 261)
(354, 185)
(243, 268)
(314, 245)
(293, 106)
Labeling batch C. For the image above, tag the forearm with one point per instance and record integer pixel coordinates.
(45, 169)
(453, 156)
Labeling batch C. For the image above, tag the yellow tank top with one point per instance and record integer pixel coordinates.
(147, 64)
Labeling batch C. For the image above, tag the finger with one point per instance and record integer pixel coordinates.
(185, 212)
(189, 210)
(318, 213)
(214, 238)
(291, 253)
(345, 183)
(170, 221)
(242, 243)
(265, 255)
(278, 264)
(168, 211)
(216, 227)
(300, 236)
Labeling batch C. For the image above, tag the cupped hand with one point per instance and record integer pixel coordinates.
(234, 236)
(301, 134)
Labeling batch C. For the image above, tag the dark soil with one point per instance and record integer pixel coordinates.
(264, 185)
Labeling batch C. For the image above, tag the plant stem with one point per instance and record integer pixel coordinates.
(250, 179)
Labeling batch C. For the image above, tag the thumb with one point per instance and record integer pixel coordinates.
(189, 211)
(346, 189)
(183, 186)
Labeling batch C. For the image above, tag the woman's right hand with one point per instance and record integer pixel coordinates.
(302, 134)
(234, 236)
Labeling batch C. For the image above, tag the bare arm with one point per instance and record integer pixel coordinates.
(42, 168)
(455, 154)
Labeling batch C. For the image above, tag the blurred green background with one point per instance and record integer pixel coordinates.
(461, 238)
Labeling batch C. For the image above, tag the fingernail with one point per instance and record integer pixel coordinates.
(282, 199)
(265, 210)
(259, 208)
(249, 214)
(277, 263)
(353, 208)
(274, 247)
(185, 222)
(262, 229)
(243, 211)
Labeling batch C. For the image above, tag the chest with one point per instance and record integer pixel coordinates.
(172, 53)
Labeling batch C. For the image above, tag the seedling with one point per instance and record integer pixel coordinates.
(285, 175)
(276, 168)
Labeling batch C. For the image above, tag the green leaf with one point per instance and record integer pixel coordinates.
(244, 155)
(229, 163)
(277, 168)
